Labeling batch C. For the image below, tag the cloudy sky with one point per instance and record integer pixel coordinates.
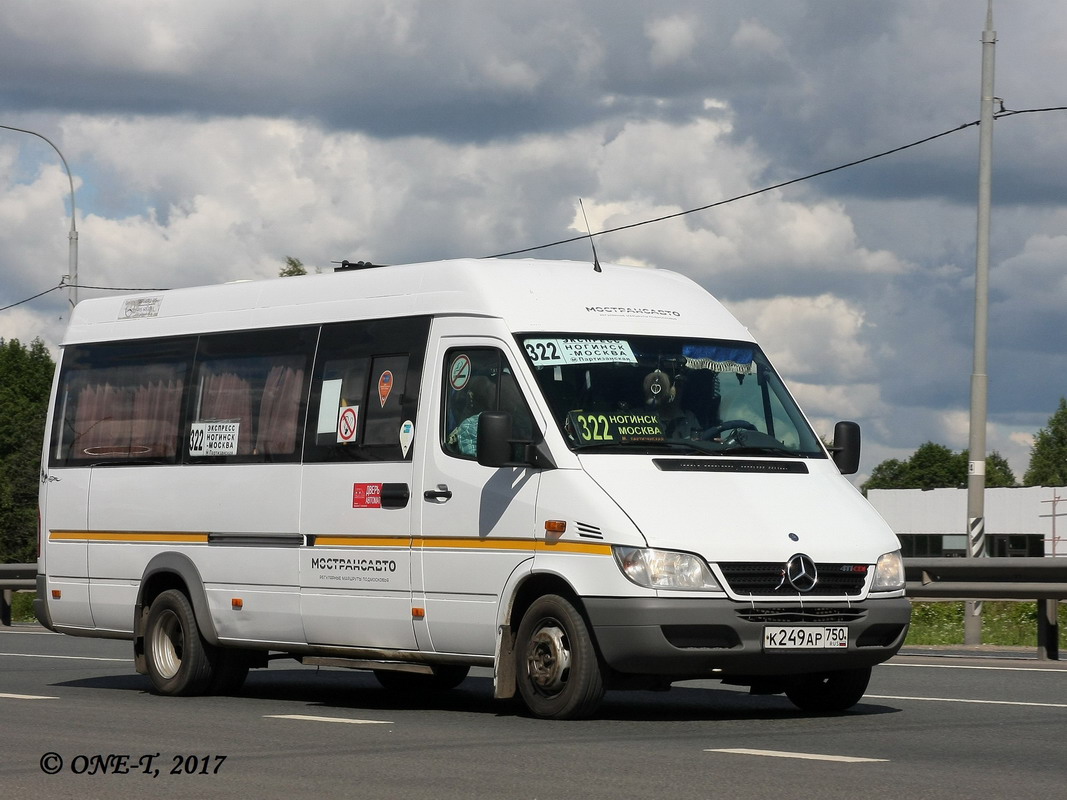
(209, 140)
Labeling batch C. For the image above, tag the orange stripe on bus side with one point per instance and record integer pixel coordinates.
(128, 536)
(428, 543)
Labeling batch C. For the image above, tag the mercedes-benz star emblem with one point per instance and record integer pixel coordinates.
(801, 573)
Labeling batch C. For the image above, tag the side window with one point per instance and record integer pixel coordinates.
(365, 390)
(479, 379)
(119, 402)
(248, 396)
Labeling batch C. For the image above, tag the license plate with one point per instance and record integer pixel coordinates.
(805, 637)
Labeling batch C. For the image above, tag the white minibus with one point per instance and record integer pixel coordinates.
(582, 477)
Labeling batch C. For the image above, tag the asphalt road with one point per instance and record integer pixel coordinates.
(930, 727)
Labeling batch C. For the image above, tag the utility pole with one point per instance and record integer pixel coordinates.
(71, 278)
(972, 627)
(1055, 501)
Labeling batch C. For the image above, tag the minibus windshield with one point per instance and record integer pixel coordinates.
(621, 393)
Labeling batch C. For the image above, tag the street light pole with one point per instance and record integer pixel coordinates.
(972, 628)
(72, 260)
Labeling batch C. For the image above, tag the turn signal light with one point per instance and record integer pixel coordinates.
(556, 525)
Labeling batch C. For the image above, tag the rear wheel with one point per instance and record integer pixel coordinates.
(556, 665)
(179, 661)
(444, 677)
(829, 691)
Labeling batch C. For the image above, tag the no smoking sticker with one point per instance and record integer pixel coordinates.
(460, 372)
(346, 424)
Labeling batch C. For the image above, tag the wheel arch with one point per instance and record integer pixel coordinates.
(526, 590)
(170, 571)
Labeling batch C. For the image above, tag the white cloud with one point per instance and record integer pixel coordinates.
(673, 39)
(210, 140)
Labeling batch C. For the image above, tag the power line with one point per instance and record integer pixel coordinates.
(117, 288)
(1002, 113)
(34, 297)
(81, 286)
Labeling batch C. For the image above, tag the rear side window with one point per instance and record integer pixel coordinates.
(121, 402)
(365, 390)
(248, 396)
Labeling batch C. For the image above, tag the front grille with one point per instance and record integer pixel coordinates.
(767, 579)
(797, 614)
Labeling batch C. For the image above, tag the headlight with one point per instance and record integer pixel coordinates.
(888, 573)
(665, 569)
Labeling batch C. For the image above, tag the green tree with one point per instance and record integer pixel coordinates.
(25, 381)
(934, 466)
(292, 268)
(1048, 455)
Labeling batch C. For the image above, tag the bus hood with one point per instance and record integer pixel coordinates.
(744, 509)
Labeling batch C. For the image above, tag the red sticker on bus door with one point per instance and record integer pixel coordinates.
(366, 495)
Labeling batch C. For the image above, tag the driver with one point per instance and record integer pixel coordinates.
(665, 397)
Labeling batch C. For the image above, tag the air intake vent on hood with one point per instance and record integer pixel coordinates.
(587, 531)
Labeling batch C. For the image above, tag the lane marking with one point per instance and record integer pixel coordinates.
(1052, 670)
(68, 658)
(6, 696)
(308, 718)
(962, 700)
(745, 751)
(14, 629)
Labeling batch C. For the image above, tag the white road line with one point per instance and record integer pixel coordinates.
(963, 700)
(1050, 670)
(745, 751)
(69, 658)
(308, 718)
(26, 697)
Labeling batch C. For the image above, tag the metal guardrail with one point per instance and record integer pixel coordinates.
(12, 578)
(1040, 579)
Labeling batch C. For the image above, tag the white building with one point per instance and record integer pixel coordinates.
(1018, 522)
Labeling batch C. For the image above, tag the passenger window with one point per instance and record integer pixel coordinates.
(249, 395)
(120, 402)
(365, 390)
(477, 380)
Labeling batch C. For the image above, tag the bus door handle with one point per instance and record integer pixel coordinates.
(442, 492)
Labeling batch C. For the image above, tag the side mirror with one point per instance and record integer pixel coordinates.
(846, 449)
(494, 438)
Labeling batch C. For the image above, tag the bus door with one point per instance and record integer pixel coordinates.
(476, 523)
(356, 506)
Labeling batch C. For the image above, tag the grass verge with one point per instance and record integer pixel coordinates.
(1004, 623)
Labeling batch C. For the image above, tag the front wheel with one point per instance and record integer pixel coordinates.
(829, 691)
(556, 664)
(179, 661)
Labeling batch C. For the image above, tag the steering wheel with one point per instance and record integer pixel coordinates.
(728, 425)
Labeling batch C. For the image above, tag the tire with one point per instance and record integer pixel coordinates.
(556, 664)
(829, 692)
(231, 669)
(444, 677)
(179, 661)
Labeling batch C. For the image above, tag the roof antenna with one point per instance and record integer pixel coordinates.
(596, 261)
